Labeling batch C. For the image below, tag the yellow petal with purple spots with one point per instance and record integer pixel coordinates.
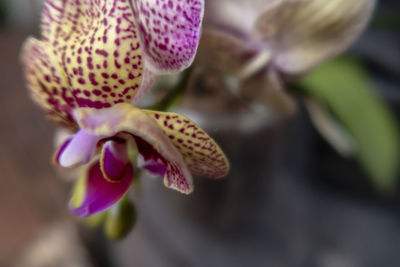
(98, 46)
(47, 82)
(201, 153)
(90, 56)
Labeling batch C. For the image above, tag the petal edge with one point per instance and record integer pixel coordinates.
(201, 153)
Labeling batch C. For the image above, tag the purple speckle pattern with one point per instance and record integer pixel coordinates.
(47, 83)
(173, 176)
(98, 47)
(202, 154)
(169, 31)
(89, 56)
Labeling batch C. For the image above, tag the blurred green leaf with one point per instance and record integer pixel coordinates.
(344, 87)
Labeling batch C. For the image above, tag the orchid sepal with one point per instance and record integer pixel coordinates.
(201, 153)
(306, 33)
(170, 32)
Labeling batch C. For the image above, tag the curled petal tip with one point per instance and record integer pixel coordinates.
(201, 153)
(78, 150)
(167, 162)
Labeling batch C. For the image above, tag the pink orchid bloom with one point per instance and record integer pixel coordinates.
(94, 59)
(278, 40)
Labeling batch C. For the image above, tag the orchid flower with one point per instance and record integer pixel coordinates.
(99, 53)
(169, 145)
(278, 40)
(95, 57)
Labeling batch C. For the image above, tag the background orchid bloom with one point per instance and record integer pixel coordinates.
(277, 39)
(99, 53)
(95, 58)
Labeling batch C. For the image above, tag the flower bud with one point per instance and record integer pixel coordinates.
(120, 220)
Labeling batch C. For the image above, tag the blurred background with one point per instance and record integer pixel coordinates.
(290, 199)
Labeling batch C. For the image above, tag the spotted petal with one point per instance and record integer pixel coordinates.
(47, 82)
(202, 155)
(94, 194)
(125, 118)
(149, 158)
(97, 49)
(169, 32)
(308, 32)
